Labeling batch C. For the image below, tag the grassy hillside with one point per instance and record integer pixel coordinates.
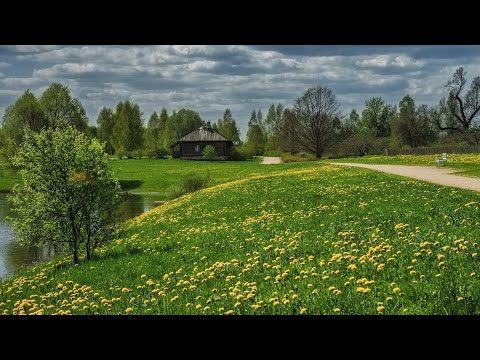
(307, 240)
(463, 164)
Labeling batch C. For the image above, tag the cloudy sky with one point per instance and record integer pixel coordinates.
(211, 78)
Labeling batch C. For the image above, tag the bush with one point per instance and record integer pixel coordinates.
(137, 153)
(303, 156)
(234, 155)
(121, 154)
(246, 151)
(272, 153)
(191, 183)
(209, 153)
(156, 153)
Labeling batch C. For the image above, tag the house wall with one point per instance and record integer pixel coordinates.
(188, 149)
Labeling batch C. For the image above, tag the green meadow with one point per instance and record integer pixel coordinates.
(302, 238)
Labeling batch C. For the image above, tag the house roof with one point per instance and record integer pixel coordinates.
(203, 133)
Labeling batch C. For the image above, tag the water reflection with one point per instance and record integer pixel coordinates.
(14, 256)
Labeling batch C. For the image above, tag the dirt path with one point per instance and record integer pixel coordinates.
(441, 176)
(271, 160)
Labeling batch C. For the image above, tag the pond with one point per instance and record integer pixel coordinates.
(14, 256)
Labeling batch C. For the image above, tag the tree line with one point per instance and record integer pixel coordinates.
(314, 123)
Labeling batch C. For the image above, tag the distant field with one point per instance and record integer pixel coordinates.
(306, 240)
(156, 175)
(149, 175)
(464, 164)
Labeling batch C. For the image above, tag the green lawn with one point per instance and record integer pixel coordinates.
(312, 239)
(463, 164)
(157, 175)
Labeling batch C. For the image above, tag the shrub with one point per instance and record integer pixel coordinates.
(235, 155)
(137, 153)
(191, 183)
(303, 156)
(121, 154)
(209, 153)
(272, 153)
(246, 151)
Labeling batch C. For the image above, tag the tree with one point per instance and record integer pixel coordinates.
(272, 124)
(288, 139)
(228, 127)
(180, 123)
(67, 194)
(128, 128)
(464, 108)
(61, 109)
(351, 124)
(25, 113)
(209, 153)
(376, 117)
(317, 115)
(154, 135)
(412, 127)
(163, 119)
(256, 134)
(105, 122)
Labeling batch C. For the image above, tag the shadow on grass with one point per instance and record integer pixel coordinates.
(130, 184)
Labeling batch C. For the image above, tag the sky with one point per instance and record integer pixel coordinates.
(211, 78)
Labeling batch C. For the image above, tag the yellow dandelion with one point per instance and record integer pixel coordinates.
(331, 288)
(460, 298)
(237, 304)
(351, 267)
(396, 290)
(144, 276)
(380, 308)
(303, 311)
(229, 312)
(129, 310)
(336, 310)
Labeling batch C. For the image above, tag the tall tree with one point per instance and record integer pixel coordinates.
(227, 126)
(67, 194)
(180, 123)
(61, 109)
(376, 117)
(317, 114)
(128, 128)
(105, 123)
(351, 124)
(464, 107)
(25, 113)
(154, 135)
(412, 126)
(288, 139)
(272, 124)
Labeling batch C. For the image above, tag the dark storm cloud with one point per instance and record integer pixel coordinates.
(211, 78)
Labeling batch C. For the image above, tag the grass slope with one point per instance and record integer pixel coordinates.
(306, 240)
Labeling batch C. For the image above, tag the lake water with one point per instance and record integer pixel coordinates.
(13, 256)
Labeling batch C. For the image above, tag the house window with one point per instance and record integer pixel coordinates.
(197, 148)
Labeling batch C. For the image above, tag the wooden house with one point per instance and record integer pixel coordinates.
(191, 145)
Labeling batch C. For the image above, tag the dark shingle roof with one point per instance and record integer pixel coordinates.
(204, 133)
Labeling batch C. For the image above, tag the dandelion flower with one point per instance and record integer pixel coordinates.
(303, 311)
(229, 312)
(380, 308)
(460, 298)
(336, 309)
(129, 310)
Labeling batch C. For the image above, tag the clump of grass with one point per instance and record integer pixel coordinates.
(191, 183)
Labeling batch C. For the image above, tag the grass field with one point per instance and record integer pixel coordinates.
(310, 239)
(155, 175)
(463, 164)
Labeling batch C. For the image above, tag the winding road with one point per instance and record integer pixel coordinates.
(440, 176)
